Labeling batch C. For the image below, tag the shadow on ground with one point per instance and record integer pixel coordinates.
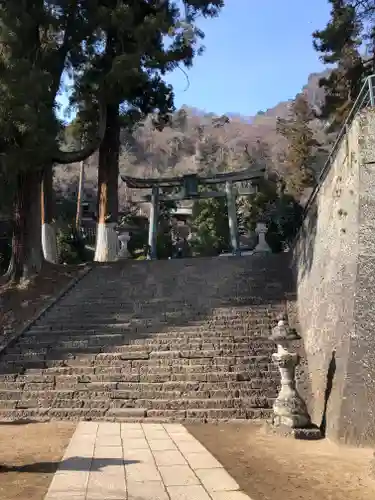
(70, 464)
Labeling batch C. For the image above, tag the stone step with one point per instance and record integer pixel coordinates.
(118, 388)
(80, 366)
(134, 415)
(149, 404)
(156, 349)
(147, 328)
(140, 338)
(115, 306)
(121, 383)
(196, 316)
(268, 378)
(115, 345)
(115, 365)
(47, 397)
(55, 358)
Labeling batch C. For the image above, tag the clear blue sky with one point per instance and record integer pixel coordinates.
(258, 53)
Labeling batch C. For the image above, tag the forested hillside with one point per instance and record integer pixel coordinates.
(203, 142)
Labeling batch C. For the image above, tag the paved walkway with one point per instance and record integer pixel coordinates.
(108, 461)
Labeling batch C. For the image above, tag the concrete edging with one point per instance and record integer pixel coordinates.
(12, 338)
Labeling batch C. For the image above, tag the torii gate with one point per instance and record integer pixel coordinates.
(189, 189)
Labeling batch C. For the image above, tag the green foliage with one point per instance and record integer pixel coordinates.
(210, 227)
(71, 246)
(339, 43)
(279, 210)
(128, 63)
(137, 242)
(300, 155)
(164, 245)
(67, 209)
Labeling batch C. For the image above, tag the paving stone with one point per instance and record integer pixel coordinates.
(178, 475)
(181, 437)
(102, 485)
(153, 490)
(152, 434)
(142, 456)
(65, 495)
(196, 492)
(108, 440)
(132, 434)
(135, 444)
(202, 460)
(175, 428)
(131, 425)
(108, 453)
(229, 495)
(75, 464)
(190, 446)
(90, 428)
(162, 445)
(216, 479)
(142, 472)
(169, 457)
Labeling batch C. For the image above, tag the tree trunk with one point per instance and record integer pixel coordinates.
(107, 244)
(27, 256)
(49, 240)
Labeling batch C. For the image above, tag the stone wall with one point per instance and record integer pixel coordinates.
(334, 267)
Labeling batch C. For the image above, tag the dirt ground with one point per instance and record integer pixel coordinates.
(275, 468)
(19, 304)
(29, 456)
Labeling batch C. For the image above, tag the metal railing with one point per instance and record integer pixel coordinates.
(365, 99)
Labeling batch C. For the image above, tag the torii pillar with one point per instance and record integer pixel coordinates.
(232, 218)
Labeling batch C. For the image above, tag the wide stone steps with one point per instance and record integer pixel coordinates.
(161, 341)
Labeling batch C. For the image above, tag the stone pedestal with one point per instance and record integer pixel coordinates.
(262, 246)
(289, 408)
(290, 411)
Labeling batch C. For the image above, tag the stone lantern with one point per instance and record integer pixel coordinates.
(123, 238)
(262, 246)
(290, 411)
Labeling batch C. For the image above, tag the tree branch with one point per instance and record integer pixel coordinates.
(65, 157)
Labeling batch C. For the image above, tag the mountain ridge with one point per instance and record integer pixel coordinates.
(201, 142)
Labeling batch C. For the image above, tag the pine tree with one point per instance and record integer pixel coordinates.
(210, 226)
(38, 39)
(43, 39)
(299, 158)
(339, 44)
(129, 73)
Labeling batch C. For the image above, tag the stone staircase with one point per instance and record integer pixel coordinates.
(180, 340)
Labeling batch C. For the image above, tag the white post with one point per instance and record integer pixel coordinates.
(153, 222)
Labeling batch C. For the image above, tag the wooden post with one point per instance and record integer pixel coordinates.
(79, 197)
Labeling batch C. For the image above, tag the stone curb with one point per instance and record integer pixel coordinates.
(12, 338)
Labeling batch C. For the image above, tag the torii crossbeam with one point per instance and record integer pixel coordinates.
(189, 185)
